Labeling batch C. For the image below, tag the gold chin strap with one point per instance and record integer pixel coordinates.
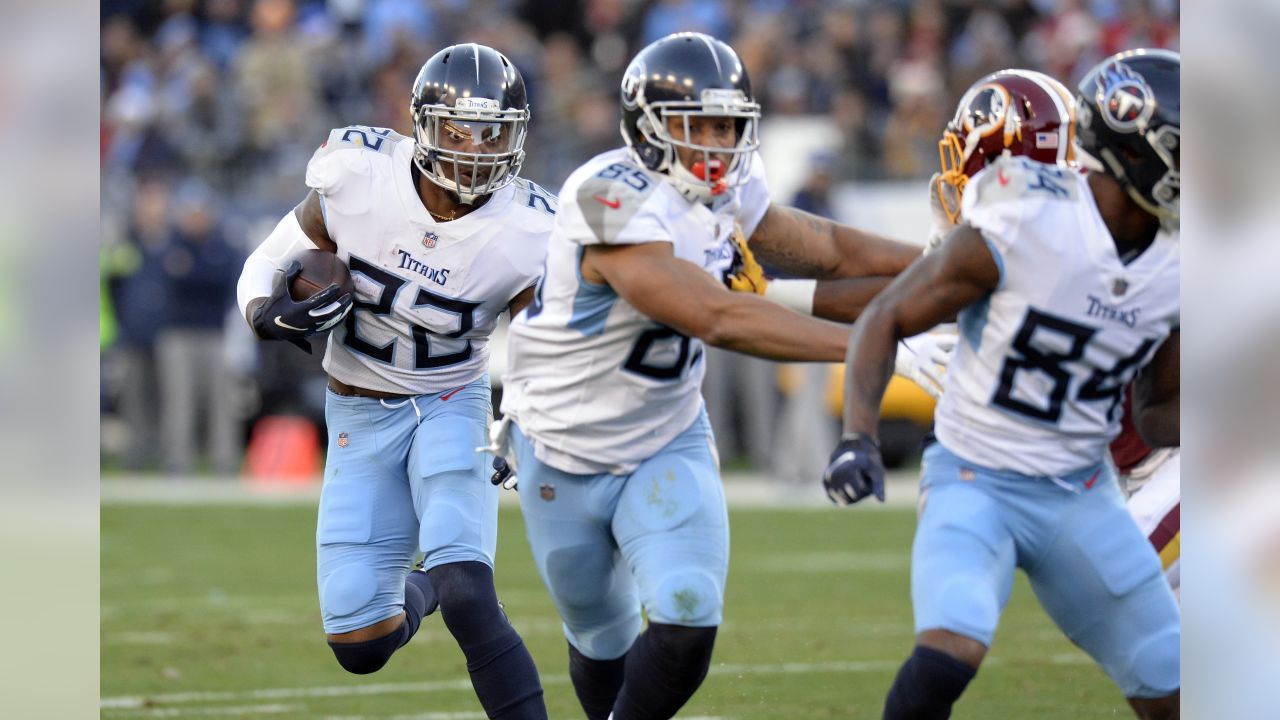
(951, 155)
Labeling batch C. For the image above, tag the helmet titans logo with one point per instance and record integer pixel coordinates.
(632, 85)
(1125, 99)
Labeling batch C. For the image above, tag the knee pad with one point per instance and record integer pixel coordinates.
(1155, 667)
(968, 606)
(689, 597)
(348, 589)
(362, 658)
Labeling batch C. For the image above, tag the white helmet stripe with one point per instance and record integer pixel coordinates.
(711, 48)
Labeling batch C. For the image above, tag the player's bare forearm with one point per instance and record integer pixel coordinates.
(868, 367)
(931, 291)
(844, 300)
(1157, 396)
(685, 297)
(798, 243)
(748, 324)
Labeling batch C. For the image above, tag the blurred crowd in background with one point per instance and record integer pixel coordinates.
(211, 108)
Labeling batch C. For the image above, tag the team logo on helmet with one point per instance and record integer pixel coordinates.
(1125, 99)
(987, 108)
(632, 84)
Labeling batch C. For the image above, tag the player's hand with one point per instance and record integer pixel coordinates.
(503, 475)
(745, 273)
(281, 317)
(944, 209)
(923, 359)
(855, 470)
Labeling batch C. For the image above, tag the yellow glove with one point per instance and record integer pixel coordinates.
(745, 274)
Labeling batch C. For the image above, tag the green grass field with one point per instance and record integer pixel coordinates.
(210, 611)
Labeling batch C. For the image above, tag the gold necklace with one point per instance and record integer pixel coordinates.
(453, 215)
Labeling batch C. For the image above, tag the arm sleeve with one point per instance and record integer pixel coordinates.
(260, 268)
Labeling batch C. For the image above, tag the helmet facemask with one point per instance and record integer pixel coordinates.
(472, 149)
(709, 176)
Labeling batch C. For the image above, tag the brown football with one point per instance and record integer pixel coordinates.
(320, 269)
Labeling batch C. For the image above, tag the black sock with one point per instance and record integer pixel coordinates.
(502, 670)
(665, 666)
(927, 685)
(596, 682)
(419, 597)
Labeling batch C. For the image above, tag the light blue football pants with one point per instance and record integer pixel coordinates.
(1090, 566)
(608, 545)
(401, 478)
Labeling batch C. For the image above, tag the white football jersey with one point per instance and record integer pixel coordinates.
(593, 383)
(427, 293)
(1036, 383)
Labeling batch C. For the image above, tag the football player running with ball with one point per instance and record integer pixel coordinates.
(619, 483)
(441, 237)
(1066, 285)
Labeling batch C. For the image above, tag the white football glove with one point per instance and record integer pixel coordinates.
(923, 359)
(504, 462)
(942, 195)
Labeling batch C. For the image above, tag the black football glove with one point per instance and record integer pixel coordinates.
(855, 470)
(280, 317)
(502, 475)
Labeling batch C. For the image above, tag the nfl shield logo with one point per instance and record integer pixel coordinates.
(429, 239)
(1120, 286)
(343, 440)
(547, 492)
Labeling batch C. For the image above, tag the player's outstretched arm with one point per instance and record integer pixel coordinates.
(931, 291)
(840, 300)
(685, 297)
(798, 243)
(1157, 396)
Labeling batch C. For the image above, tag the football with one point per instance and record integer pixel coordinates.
(320, 269)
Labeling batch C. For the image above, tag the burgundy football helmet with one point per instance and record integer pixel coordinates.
(1013, 112)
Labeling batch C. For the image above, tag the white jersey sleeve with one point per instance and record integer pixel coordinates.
(995, 204)
(615, 205)
(342, 170)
